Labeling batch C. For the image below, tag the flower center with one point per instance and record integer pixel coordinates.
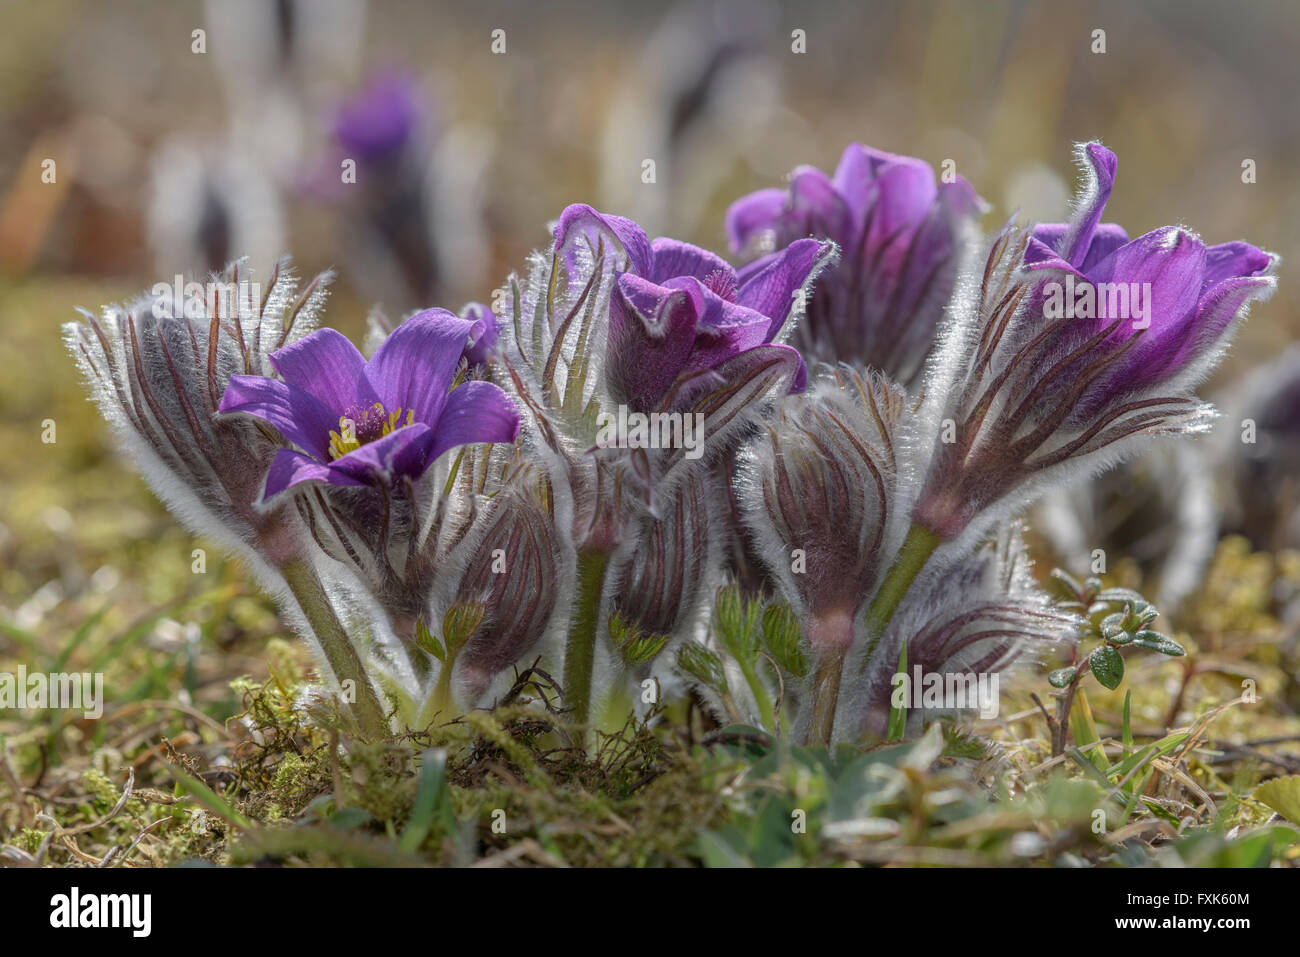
(362, 424)
(722, 284)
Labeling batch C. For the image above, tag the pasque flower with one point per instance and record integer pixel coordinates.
(483, 335)
(514, 573)
(361, 423)
(1020, 396)
(680, 313)
(1040, 391)
(976, 619)
(612, 322)
(158, 374)
(900, 234)
(818, 489)
(1195, 291)
(379, 121)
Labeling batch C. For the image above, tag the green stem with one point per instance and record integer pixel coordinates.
(580, 652)
(442, 703)
(339, 652)
(762, 699)
(826, 694)
(916, 551)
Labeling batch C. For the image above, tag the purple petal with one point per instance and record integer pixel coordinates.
(768, 285)
(904, 193)
(673, 258)
(381, 119)
(299, 416)
(854, 175)
(651, 334)
(580, 221)
(1047, 239)
(404, 452)
(1230, 260)
(414, 368)
(1106, 238)
(1172, 260)
(960, 201)
(714, 309)
(714, 345)
(1041, 251)
(818, 207)
(327, 365)
(290, 468)
(751, 215)
(475, 412)
(1218, 309)
(483, 335)
(1099, 164)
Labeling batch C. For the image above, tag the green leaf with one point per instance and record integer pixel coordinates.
(1061, 677)
(735, 622)
(460, 623)
(1121, 595)
(1282, 795)
(1112, 623)
(1084, 729)
(427, 640)
(1108, 666)
(430, 800)
(634, 645)
(702, 665)
(1126, 729)
(1154, 641)
(781, 635)
(1144, 754)
(1065, 584)
(209, 798)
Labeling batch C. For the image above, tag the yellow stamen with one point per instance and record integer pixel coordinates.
(364, 426)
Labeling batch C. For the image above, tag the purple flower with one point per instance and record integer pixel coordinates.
(381, 119)
(978, 617)
(680, 314)
(364, 423)
(899, 233)
(482, 342)
(1081, 343)
(821, 483)
(1182, 295)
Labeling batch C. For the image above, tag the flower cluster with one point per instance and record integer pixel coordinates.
(786, 484)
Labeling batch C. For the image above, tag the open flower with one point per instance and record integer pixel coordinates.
(679, 313)
(900, 234)
(1181, 294)
(365, 423)
(1037, 390)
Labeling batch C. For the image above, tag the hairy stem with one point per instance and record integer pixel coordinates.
(580, 652)
(762, 699)
(916, 551)
(334, 642)
(442, 700)
(826, 696)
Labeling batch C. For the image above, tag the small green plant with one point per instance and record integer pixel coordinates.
(1110, 619)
